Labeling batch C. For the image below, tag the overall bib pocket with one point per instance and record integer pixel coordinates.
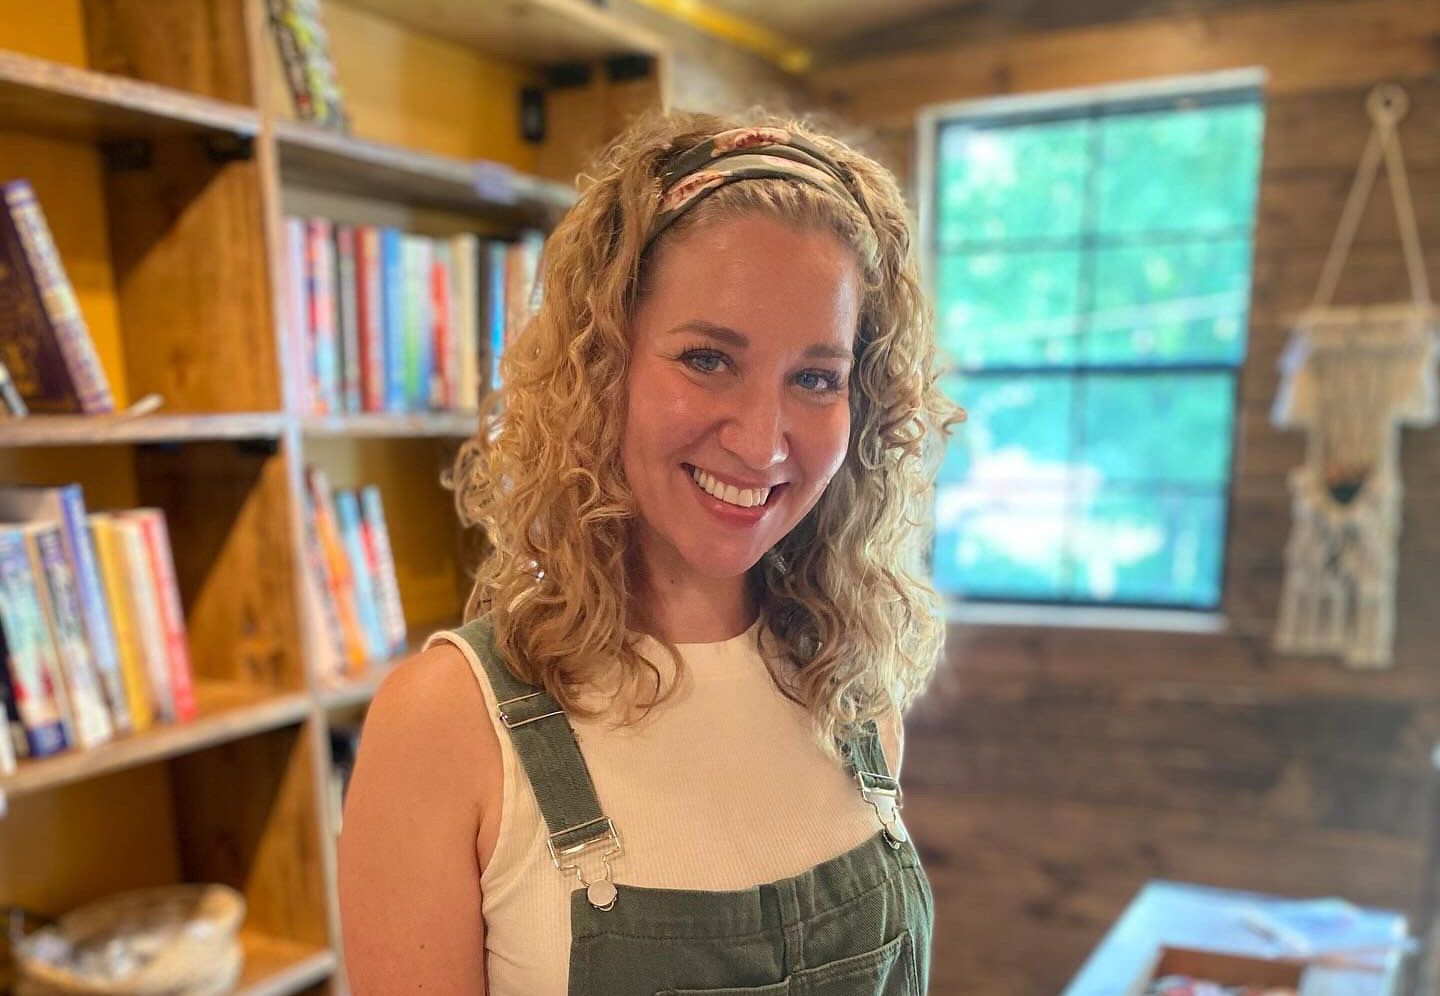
(889, 970)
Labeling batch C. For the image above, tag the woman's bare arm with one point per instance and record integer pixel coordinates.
(409, 875)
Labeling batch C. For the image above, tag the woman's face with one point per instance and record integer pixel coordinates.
(738, 413)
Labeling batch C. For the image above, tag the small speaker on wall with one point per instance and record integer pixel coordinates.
(532, 114)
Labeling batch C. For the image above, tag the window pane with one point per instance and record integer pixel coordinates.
(1022, 182)
(1173, 303)
(1018, 432)
(1172, 428)
(994, 545)
(1189, 170)
(1155, 548)
(1008, 309)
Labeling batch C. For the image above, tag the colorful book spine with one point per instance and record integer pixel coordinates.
(326, 637)
(370, 312)
(377, 533)
(12, 731)
(129, 649)
(172, 613)
(62, 611)
(29, 647)
(342, 592)
(495, 312)
(323, 337)
(392, 275)
(94, 606)
(297, 310)
(347, 511)
(10, 401)
(347, 312)
(465, 317)
(442, 379)
(418, 335)
(43, 335)
(145, 596)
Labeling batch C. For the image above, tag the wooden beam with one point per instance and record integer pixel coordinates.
(1305, 46)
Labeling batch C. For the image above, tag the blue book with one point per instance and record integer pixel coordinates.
(66, 506)
(392, 272)
(347, 510)
(495, 299)
(29, 649)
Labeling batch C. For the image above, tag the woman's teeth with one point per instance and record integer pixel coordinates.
(728, 493)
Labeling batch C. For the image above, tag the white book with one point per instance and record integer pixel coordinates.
(465, 319)
(150, 624)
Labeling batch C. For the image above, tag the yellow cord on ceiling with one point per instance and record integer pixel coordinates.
(736, 31)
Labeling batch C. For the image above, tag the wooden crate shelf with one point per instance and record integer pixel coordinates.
(277, 967)
(227, 712)
(103, 430)
(532, 32)
(48, 98)
(421, 425)
(313, 157)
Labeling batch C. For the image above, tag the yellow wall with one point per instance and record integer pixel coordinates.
(417, 90)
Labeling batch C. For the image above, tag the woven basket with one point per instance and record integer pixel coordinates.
(183, 939)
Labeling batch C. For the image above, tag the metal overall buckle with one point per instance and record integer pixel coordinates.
(601, 892)
(883, 793)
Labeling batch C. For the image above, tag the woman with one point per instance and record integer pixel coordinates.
(658, 758)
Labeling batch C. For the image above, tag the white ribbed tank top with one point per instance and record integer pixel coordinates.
(719, 788)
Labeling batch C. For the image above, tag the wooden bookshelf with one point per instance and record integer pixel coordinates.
(47, 98)
(313, 157)
(101, 430)
(155, 127)
(227, 712)
(418, 425)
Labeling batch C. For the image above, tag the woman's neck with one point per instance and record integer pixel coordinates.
(679, 606)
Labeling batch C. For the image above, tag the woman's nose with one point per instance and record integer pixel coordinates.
(755, 430)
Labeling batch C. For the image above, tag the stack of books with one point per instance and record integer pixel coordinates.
(353, 597)
(391, 321)
(48, 361)
(91, 625)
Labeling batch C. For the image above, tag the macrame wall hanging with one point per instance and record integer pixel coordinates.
(1351, 377)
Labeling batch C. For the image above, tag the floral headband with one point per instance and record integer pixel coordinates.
(742, 154)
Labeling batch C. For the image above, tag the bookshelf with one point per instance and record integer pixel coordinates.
(159, 141)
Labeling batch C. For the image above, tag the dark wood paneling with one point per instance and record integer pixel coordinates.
(1050, 772)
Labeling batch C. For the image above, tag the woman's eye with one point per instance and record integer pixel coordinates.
(819, 381)
(703, 360)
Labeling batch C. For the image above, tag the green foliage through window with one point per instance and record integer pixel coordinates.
(1092, 279)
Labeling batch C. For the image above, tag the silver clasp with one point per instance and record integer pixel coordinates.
(505, 717)
(601, 892)
(887, 802)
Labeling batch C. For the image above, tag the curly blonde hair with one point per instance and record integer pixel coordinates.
(843, 595)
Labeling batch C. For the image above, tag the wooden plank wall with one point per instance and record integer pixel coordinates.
(1051, 772)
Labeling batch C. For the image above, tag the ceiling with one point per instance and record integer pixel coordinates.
(833, 30)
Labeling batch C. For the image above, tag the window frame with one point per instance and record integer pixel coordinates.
(1075, 103)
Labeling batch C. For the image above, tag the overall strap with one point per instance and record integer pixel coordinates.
(865, 762)
(545, 743)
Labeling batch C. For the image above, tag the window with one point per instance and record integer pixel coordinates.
(1090, 263)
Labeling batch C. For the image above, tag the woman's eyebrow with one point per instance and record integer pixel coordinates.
(738, 340)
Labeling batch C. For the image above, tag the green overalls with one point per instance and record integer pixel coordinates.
(858, 924)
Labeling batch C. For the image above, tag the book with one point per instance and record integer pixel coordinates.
(304, 49)
(124, 622)
(370, 315)
(418, 335)
(145, 599)
(65, 506)
(337, 568)
(297, 310)
(12, 733)
(60, 600)
(347, 513)
(442, 368)
(10, 401)
(44, 341)
(29, 649)
(346, 310)
(377, 535)
(465, 319)
(392, 279)
(171, 619)
(323, 337)
(495, 307)
(325, 639)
